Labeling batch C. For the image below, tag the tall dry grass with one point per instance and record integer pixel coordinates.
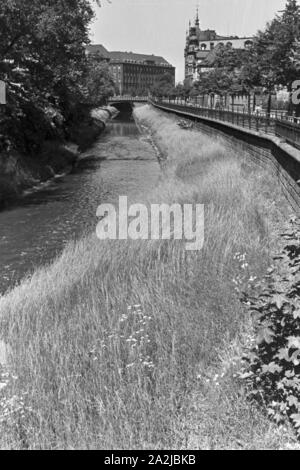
(135, 344)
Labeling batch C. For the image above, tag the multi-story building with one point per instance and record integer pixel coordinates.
(134, 74)
(201, 45)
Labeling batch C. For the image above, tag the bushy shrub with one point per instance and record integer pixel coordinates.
(273, 364)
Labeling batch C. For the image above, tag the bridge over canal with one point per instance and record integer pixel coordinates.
(125, 104)
(128, 99)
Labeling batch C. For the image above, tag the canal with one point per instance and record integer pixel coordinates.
(37, 228)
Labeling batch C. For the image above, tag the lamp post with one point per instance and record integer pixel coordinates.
(2, 97)
(2, 92)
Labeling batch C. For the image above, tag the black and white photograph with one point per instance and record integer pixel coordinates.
(149, 228)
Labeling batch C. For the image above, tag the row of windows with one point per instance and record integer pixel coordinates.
(130, 76)
(137, 82)
(143, 71)
(247, 45)
(134, 82)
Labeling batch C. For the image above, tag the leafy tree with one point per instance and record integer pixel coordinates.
(43, 59)
(230, 59)
(295, 58)
(226, 76)
(183, 90)
(98, 82)
(273, 60)
(43, 44)
(271, 63)
(164, 85)
(218, 81)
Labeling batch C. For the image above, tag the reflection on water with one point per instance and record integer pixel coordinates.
(37, 229)
(124, 129)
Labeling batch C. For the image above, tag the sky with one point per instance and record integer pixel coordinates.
(159, 26)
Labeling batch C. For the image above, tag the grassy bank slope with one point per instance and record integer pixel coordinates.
(22, 169)
(135, 344)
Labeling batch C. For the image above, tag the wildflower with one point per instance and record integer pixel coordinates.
(129, 366)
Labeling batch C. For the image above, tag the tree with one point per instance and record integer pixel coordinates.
(271, 63)
(43, 59)
(230, 59)
(183, 90)
(273, 60)
(43, 44)
(163, 85)
(225, 77)
(218, 81)
(98, 82)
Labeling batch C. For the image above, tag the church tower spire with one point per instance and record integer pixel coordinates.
(197, 22)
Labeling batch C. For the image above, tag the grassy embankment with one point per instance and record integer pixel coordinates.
(136, 344)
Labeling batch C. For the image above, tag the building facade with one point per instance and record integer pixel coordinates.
(201, 46)
(133, 74)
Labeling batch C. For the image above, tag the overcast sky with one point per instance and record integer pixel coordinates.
(158, 26)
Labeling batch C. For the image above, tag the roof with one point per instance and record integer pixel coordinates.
(119, 56)
(98, 49)
(207, 35)
(233, 38)
(211, 35)
(133, 57)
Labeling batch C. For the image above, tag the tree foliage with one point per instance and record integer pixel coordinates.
(272, 366)
(43, 60)
(164, 85)
(273, 60)
(99, 82)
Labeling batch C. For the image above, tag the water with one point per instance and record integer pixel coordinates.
(35, 230)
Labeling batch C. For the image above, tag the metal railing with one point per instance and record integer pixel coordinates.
(243, 119)
(280, 125)
(135, 99)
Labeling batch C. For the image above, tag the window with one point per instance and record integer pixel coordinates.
(212, 45)
(248, 44)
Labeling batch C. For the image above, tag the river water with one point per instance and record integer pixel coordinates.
(35, 230)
